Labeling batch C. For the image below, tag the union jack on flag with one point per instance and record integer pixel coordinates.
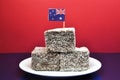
(56, 14)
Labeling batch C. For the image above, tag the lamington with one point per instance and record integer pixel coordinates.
(43, 61)
(60, 40)
(78, 60)
(60, 52)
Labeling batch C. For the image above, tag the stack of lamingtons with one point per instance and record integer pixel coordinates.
(60, 53)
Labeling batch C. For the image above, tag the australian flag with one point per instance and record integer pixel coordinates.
(56, 14)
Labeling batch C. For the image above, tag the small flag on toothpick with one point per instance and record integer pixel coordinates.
(57, 15)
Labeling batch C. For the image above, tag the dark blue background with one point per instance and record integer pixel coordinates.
(9, 68)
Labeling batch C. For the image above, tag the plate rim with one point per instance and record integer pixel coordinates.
(69, 74)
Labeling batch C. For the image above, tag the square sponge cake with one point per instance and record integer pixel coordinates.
(60, 40)
(43, 61)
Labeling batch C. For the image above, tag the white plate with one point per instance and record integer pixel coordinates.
(25, 65)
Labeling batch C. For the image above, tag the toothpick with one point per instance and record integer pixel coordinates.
(64, 24)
